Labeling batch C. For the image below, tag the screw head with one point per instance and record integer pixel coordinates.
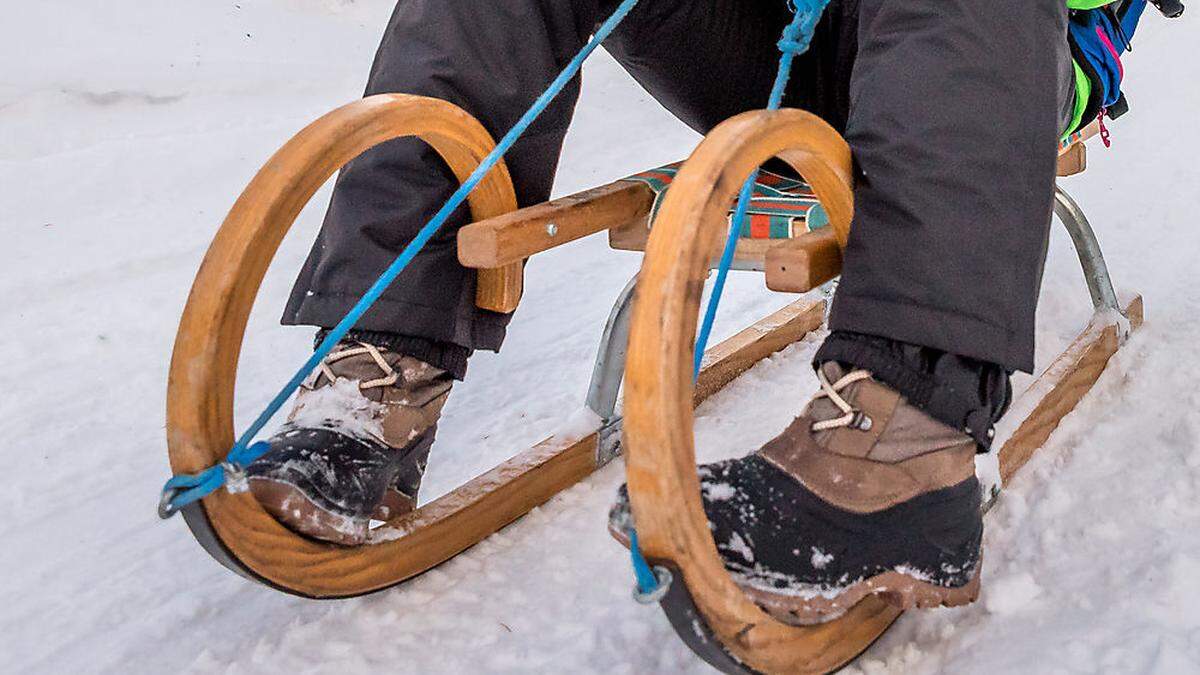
(551, 229)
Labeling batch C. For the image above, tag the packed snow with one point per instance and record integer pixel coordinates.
(128, 128)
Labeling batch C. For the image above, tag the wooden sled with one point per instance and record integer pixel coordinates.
(708, 610)
(233, 528)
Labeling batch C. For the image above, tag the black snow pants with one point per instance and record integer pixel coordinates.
(953, 109)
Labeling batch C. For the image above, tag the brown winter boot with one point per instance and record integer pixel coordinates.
(862, 494)
(355, 446)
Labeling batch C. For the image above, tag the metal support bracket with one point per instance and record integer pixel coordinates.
(608, 373)
(608, 441)
(1091, 258)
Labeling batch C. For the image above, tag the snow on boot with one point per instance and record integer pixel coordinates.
(355, 445)
(862, 494)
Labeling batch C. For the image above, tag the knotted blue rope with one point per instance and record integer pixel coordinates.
(184, 489)
(796, 39)
(187, 488)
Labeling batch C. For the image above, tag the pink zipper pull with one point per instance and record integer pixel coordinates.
(1105, 135)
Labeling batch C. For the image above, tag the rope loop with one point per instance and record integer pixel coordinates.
(791, 46)
(187, 488)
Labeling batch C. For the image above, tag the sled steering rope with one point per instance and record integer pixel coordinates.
(656, 346)
(676, 558)
(228, 523)
(796, 39)
(184, 489)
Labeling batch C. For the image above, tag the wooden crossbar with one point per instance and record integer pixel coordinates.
(515, 236)
(498, 245)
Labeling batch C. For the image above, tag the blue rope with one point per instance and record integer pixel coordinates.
(185, 489)
(796, 39)
(188, 488)
(647, 580)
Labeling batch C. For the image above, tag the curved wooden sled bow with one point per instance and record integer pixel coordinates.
(233, 527)
(708, 610)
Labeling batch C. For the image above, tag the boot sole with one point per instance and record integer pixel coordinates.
(288, 505)
(898, 589)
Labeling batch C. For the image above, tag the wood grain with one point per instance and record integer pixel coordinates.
(204, 364)
(749, 254)
(659, 442)
(1060, 388)
(438, 531)
(499, 289)
(801, 264)
(1072, 160)
(660, 461)
(795, 265)
(513, 237)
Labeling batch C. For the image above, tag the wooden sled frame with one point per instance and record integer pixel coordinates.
(708, 610)
(237, 532)
(233, 528)
(497, 246)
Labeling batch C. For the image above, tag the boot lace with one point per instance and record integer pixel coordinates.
(390, 374)
(851, 417)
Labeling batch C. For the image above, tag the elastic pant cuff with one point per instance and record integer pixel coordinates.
(960, 392)
(447, 356)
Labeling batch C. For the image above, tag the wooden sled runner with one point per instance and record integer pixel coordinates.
(233, 528)
(243, 537)
(708, 610)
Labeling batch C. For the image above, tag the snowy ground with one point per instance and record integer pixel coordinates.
(126, 130)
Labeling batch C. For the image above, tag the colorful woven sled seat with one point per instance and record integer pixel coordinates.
(781, 207)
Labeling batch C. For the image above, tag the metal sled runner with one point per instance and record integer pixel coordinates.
(709, 612)
(232, 526)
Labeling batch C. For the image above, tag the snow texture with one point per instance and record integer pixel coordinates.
(341, 407)
(1011, 593)
(579, 424)
(128, 129)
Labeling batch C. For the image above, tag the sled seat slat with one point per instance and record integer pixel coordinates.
(786, 237)
(805, 258)
(625, 209)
